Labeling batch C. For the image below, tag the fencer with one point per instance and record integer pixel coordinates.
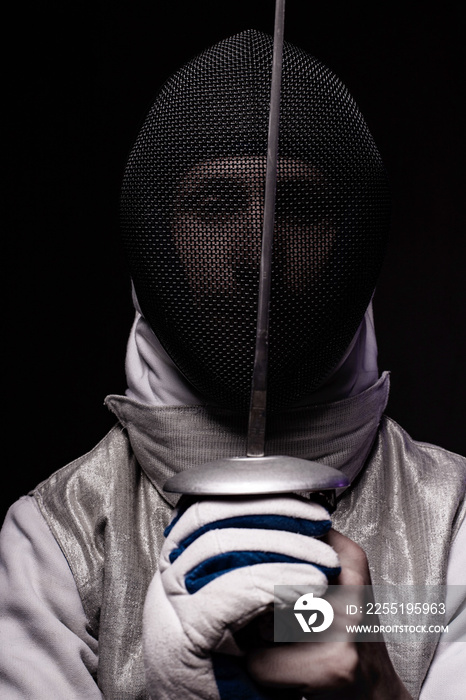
(80, 553)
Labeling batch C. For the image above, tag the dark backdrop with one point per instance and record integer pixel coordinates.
(78, 79)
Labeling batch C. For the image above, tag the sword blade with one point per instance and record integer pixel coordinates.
(257, 411)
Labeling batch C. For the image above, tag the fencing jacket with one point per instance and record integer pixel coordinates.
(78, 554)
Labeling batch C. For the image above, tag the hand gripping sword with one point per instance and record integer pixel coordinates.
(256, 473)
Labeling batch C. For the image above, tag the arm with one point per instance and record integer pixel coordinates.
(45, 649)
(448, 669)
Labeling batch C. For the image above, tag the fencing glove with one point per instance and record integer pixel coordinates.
(218, 567)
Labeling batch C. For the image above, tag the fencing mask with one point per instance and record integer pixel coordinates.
(192, 211)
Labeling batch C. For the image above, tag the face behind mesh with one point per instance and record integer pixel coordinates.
(192, 211)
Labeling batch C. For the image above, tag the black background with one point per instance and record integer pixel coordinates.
(79, 78)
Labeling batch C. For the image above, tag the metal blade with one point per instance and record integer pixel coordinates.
(257, 412)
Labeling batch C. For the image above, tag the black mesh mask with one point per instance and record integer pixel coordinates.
(192, 211)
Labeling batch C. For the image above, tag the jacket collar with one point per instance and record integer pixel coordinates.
(169, 439)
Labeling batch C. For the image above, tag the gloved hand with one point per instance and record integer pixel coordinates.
(217, 571)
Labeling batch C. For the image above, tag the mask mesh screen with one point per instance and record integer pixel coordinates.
(192, 211)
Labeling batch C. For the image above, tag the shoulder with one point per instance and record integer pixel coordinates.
(93, 507)
(25, 523)
(78, 501)
(421, 455)
(90, 481)
(429, 474)
(111, 452)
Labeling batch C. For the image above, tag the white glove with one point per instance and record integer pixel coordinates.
(217, 572)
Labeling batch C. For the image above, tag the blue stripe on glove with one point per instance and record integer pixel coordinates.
(311, 528)
(220, 564)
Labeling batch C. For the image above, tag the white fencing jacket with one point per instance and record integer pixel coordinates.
(46, 650)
